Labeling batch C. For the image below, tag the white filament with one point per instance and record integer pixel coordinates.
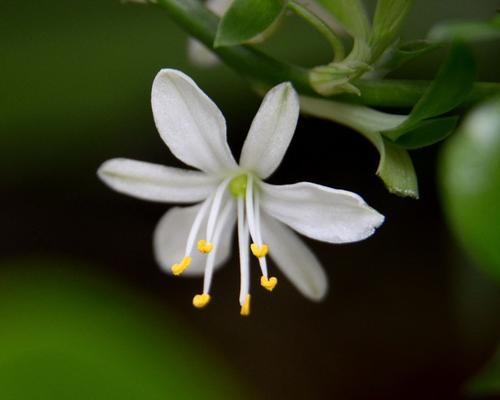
(249, 207)
(244, 256)
(253, 215)
(209, 267)
(258, 234)
(214, 210)
(196, 225)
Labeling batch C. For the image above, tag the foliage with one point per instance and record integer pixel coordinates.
(470, 176)
(358, 77)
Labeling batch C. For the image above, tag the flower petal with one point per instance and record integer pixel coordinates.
(271, 131)
(190, 123)
(170, 236)
(320, 212)
(295, 259)
(156, 182)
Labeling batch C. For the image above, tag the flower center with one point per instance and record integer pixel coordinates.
(238, 186)
(216, 211)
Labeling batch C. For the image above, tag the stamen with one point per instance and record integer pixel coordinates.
(196, 225)
(201, 300)
(245, 308)
(178, 269)
(258, 248)
(214, 210)
(259, 252)
(250, 207)
(209, 267)
(268, 284)
(204, 246)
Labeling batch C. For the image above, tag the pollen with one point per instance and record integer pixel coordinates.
(204, 246)
(201, 300)
(259, 252)
(268, 284)
(178, 269)
(245, 308)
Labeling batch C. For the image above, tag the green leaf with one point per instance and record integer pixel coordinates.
(453, 83)
(395, 166)
(428, 132)
(396, 169)
(352, 15)
(406, 53)
(387, 22)
(470, 180)
(246, 20)
(468, 31)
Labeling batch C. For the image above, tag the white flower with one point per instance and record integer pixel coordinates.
(227, 193)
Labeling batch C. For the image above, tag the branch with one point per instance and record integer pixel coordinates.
(199, 22)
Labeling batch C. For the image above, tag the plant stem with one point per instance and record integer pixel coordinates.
(199, 22)
(321, 27)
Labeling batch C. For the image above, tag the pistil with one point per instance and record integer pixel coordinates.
(245, 307)
(243, 248)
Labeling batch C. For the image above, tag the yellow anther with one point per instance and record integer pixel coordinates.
(259, 251)
(178, 269)
(201, 300)
(204, 246)
(268, 284)
(245, 308)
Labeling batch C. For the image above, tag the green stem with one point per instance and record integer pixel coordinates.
(199, 22)
(360, 118)
(321, 27)
(398, 93)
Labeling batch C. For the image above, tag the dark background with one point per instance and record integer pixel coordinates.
(407, 316)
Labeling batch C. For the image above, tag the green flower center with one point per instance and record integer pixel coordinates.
(238, 186)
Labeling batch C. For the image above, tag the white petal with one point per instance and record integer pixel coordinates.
(200, 55)
(271, 131)
(320, 212)
(295, 259)
(156, 182)
(190, 123)
(170, 236)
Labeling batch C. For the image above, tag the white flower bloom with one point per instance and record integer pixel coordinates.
(229, 194)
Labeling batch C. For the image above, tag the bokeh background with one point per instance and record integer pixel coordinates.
(86, 314)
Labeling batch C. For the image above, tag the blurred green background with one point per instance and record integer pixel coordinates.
(87, 314)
